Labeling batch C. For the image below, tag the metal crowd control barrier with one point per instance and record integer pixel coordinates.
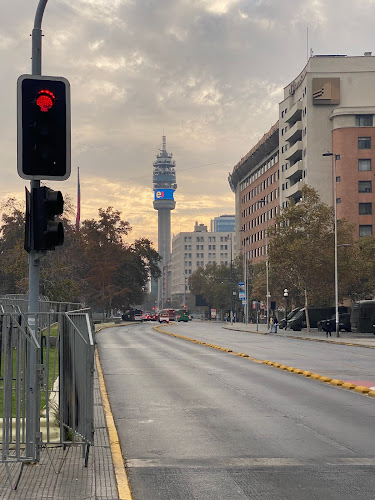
(60, 409)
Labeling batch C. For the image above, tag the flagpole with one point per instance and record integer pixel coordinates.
(78, 218)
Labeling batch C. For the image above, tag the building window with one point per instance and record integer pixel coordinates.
(338, 178)
(338, 200)
(363, 120)
(364, 165)
(364, 186)
(365, 231)
(364, 142)
(365, 208)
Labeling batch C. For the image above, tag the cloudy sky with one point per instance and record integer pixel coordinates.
(209, 73)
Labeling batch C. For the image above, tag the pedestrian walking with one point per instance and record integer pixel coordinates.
(275, 322)
(271, 324)
(328, 328)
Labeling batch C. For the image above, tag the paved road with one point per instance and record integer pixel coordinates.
(348, 363)
(197, 423)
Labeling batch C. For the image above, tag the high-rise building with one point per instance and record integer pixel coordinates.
(164, 182)
(223, 223)
(328, 107)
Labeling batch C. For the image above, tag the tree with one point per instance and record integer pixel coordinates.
(13, 258)
(94, 266)
(217, 282)
(301, 248)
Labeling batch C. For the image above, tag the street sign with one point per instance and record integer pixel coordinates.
(242, 295)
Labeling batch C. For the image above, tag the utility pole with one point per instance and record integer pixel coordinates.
(33, 422)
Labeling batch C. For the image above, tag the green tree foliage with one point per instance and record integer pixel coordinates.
(13, 258)
(95, 265)
(301, 256)
(216, 282)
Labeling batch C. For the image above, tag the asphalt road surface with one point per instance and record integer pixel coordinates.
(198, 423)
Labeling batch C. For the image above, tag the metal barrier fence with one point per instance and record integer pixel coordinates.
(53, 403)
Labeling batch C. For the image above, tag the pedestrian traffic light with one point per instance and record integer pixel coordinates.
(43, 127)
(42, 232)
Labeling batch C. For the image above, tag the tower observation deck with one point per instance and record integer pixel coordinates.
(164, 182)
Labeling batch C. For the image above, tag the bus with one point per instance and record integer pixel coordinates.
(182, 315)
(167, 315)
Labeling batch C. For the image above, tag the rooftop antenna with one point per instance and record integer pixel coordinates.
(164, 143)
(307, 43)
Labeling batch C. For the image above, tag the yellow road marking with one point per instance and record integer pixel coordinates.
(297, 371)
(123, 486)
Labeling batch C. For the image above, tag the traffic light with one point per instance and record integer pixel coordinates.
(43, 127)
(42, 232)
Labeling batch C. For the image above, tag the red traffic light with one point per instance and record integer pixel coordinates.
(45, 100)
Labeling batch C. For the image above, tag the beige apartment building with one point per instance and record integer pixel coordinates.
(328, 107)
(198, 248)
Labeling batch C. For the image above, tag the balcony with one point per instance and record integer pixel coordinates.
(294, 133)
(294, 153)
(295, 190)
(294, 114)
(294, 171)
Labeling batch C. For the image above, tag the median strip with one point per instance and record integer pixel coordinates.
(306, 373)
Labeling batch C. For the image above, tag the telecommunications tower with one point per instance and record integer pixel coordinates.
(164, 180)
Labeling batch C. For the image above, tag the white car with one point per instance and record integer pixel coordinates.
(138, 317)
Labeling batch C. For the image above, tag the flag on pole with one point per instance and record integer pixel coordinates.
(78, 218)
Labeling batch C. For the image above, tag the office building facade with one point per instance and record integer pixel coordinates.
(191, 250)
(328, 107)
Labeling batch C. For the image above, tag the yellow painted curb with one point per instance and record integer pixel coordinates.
(362, 389)
(298, 371)
(348, 385)
(122, 481)
(336, 382)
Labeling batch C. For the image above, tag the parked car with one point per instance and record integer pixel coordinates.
(344, 322)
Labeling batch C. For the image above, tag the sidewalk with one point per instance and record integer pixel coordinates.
(61, 474)
(346, 338)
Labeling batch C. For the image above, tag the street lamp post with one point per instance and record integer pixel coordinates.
(245, 309)
(286, 293)
(335, 157)
(265, 202)
(232, 314)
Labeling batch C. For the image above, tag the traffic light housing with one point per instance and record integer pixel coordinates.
(42, 232)
(43, 127)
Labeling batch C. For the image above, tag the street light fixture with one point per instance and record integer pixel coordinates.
(335, 157)
(286, 294)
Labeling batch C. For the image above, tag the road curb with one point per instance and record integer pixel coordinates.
(298, 371)
(122, 481)
(298, 337)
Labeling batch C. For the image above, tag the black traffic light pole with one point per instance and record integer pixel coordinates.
(34, 256)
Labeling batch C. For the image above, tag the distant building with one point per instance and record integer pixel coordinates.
(223, 224)
(191, 250)
(164, 183)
